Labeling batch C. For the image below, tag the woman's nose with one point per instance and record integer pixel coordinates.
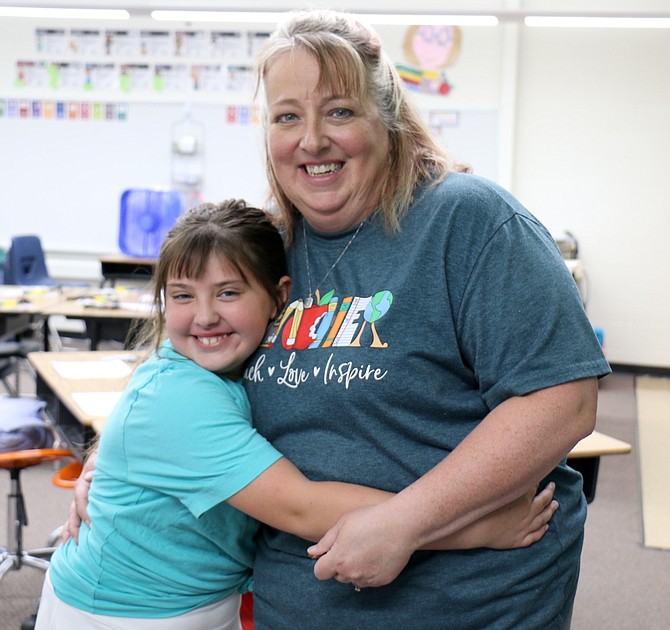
(314, 138)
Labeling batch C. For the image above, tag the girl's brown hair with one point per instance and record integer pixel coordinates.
(240, 235)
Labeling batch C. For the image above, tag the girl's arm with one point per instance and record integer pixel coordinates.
(285, 499)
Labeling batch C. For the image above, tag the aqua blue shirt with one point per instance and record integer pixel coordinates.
(163, 540)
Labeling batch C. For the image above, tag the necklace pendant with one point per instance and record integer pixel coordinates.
(308, 301)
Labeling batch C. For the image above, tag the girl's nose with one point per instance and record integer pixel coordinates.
(206, 314)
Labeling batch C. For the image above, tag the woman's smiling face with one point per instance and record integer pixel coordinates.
(329, 152)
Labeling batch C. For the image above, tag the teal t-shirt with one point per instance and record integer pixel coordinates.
(415, 338)
(163, 540)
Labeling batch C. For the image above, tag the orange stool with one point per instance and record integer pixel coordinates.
(15, 556)
(67, 476)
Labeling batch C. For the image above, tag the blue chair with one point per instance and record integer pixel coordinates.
(25, 263)
(146, 217)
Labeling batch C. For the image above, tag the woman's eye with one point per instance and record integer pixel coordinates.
(285, 118)
(342, 112)
(180, 297)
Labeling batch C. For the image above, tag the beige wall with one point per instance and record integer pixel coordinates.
(591, 155)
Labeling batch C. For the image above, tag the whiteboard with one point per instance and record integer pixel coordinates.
(63, 179)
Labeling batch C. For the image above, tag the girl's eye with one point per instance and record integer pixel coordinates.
(179, 297)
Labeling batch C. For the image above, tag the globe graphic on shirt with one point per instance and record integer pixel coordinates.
(378, 306)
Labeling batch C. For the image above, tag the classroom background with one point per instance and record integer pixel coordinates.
(572, 120)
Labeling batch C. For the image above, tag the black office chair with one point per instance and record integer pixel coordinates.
(12, 353)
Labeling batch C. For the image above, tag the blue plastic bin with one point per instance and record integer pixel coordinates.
(146, 217)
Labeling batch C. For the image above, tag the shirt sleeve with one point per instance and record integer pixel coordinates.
(522, 319)
(199, 447)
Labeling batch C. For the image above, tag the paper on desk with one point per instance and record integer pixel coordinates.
(97, 404)
(115, 368)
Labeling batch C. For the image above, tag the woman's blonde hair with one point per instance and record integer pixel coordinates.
(352, 63)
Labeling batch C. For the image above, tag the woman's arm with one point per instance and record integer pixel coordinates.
(509, 452)
(284, 498)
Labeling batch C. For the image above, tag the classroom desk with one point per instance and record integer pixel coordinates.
(585, 458)
(66, 411)
(119, 267)
(22, 307)
(63, 395)
(107, 313)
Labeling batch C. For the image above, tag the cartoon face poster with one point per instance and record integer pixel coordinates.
(429, 49)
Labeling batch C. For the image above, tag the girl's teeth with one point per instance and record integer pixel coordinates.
(210, 341)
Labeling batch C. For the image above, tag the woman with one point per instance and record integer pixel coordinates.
(430, 313)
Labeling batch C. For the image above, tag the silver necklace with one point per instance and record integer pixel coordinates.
(312, 294)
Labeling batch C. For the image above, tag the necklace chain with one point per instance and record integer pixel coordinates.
(309, 300)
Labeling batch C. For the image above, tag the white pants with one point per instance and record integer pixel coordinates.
(55, 614)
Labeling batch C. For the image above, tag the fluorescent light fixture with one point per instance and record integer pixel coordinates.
(597, 22)
(370, 18)
(407, 19)
(218, 16)
(70, 14)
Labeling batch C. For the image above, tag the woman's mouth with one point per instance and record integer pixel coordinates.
(318, 170)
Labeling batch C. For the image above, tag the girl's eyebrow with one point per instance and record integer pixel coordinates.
(224, 283)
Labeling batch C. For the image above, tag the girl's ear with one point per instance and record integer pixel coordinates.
(283, 290)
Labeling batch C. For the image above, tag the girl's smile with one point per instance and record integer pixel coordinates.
(219, 319)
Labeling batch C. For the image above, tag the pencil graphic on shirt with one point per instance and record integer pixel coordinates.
(339, 318)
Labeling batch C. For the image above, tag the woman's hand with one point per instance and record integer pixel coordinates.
(364, 547)
(78, 507)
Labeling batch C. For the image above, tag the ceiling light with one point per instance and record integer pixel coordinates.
(70, 14)
(597, 22)
(427, 20)
(371, 18)
(218, 16)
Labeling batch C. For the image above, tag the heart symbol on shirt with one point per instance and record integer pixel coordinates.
(316, 370)
(271, 370)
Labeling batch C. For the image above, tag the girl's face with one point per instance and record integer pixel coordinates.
(219, 320)
(329, 152)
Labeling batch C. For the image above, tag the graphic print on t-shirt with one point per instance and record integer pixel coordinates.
(331, 322)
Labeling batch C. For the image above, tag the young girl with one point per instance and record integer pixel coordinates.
(181, 475)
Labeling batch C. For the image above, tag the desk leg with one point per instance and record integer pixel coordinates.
(77, 436)
(93, 331)
(588, 467)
